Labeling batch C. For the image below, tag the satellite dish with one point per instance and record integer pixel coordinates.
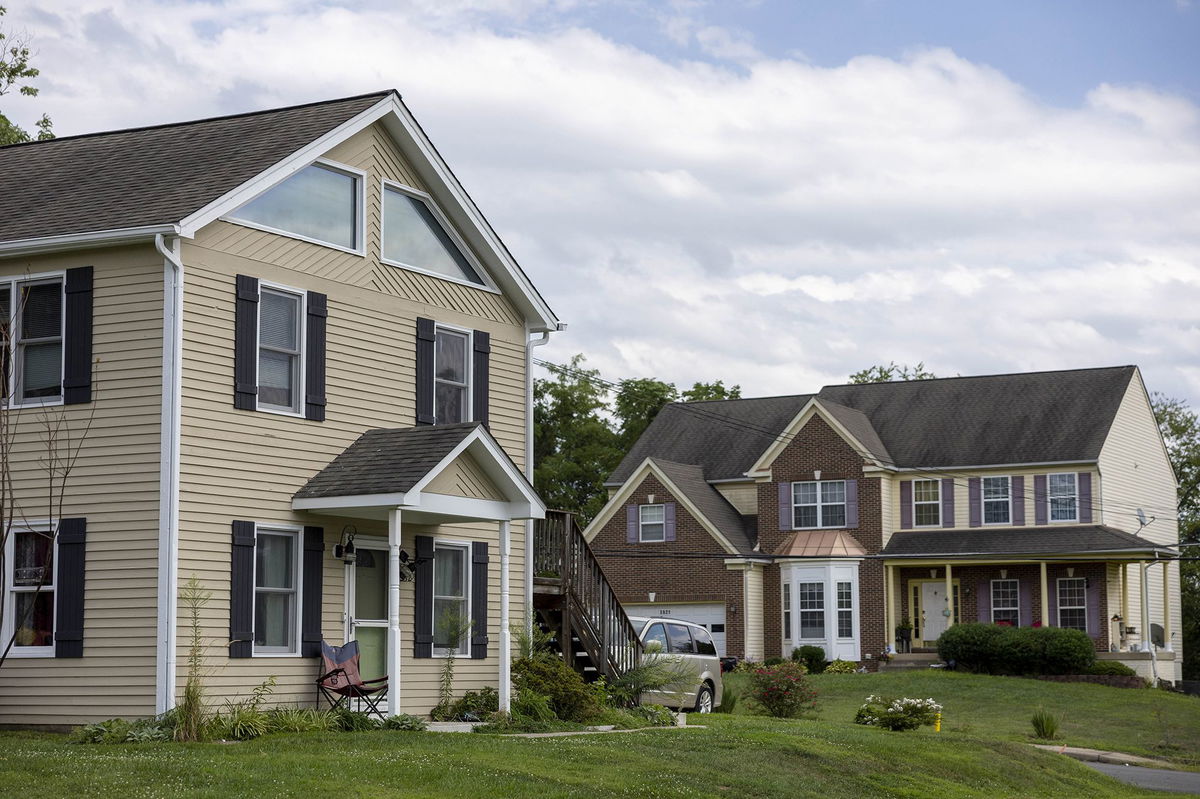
(1141, 514)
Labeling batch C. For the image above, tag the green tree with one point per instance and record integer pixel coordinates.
(892, 371)
(701, 392)
(15, 73)
(638, 401)
(1180, 426)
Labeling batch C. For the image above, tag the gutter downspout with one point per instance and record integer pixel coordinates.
(530, 344)
(168, 497)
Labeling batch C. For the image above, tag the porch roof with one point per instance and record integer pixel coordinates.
(398, 468)
(1085, 539)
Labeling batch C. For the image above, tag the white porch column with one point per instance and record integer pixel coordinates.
(505, 634)
(1124, 646)
(950, 620)
(1167, 606)
(889, 612)
(1045, 596)
(393, 634)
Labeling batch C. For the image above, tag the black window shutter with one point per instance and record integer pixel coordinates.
(479, 599)
(314, 389)
(426, 333)
(241, 591)
(77, 337)
(245, 341)
(423, 598)
(479, 377)
(310, 603)
(68, 622)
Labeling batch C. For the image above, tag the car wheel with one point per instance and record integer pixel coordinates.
(704, 700)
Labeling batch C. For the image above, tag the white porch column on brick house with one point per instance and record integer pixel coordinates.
(950, 620)
(1045, 596)
(393, 633)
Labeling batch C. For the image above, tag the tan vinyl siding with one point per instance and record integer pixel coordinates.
(742, 496)
(465, 478)
(115, 487)
(246, 465)
(753, 592)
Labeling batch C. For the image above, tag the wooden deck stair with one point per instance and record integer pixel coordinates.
(576, 604)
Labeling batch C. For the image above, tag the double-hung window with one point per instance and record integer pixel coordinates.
(451, 598)
(845, 610)
(651, 523)
(812, 610)
(1006, 602)
(280, 350)
(819, 504)
(29, 583)
(997, 500)
(1064, 497)
(276, 592)
(927, 503)
(1072, 603)
(786, 602)
(31, 316)
(452, 369)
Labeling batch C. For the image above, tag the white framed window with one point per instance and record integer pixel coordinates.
(451, 598)
(32, 316)
(322, 204)
(817, 504)
(845, 609)
(417, 236)
(652, 524)
(811, 598)
(997, 500)
(276, 591)
(29, 584)
(786, 604)
(927, 503)
(1063, 497)
(1006, 602)
(451, 375)
(281, 333)
(1072, 603)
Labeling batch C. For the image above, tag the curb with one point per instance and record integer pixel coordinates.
(1112, 758)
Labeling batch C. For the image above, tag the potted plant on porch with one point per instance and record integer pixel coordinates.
(904, 632)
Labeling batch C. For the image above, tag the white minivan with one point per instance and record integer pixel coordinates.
(690, 645)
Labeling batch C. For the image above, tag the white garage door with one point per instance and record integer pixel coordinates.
(711, 615)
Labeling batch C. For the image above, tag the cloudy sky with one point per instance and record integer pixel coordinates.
(769, 192)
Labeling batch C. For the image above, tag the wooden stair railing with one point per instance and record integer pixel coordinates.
(590, 610)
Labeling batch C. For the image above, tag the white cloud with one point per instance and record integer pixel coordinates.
(771, 222)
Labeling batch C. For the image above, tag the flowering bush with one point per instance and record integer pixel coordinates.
(782, 690)
(841, 667)
(897, 714)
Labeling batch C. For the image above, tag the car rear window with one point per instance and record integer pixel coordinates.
(681, 639)
(704, 642)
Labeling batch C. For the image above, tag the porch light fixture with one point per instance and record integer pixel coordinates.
(345, 551)
(408, 566)
(1070, 571)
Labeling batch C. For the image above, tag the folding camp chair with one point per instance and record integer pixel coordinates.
(340, 680)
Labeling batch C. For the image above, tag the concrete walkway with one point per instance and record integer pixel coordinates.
(1100, 756)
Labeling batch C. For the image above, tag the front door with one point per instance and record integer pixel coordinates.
(368, 589)
(933, 602)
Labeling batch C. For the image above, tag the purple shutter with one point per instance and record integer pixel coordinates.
(947, 502)
(974, 502)
(785, 506)
(906, 504)
(1025, 592)
(668, 521)
(852, 504)
(1018, 501)
(1040, 516)
(1052, 588)
(631, 524)
(1085, 497)
(983, 601)
(1093, 607)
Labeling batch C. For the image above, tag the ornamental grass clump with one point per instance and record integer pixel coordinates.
(897, 714)
(1045, 724)
(782, 690)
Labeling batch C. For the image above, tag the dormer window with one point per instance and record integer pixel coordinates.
(414, 237)
(321, 203)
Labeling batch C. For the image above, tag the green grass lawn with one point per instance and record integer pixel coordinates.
(1141, 722)
(983, 751)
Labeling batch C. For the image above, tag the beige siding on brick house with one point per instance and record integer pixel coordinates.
(755, 633)
(246, 465)
(115, 487)
(742, 496)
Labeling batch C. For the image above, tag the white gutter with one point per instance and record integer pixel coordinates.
(168, 502)
(530, 344)
(95, 238)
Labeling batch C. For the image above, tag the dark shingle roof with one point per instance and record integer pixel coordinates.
(386, 461)
(151, 176)
(1037, 417)
(690, 481)
(1031, 541)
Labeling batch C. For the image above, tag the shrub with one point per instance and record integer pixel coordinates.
(111, 731)
(773, 661)
(296, 719)
(240, 722)
(475, 705)
(666, 674)
(729, 702)
(897, 715)
(570, 697)
(841, 667)
(813, 658)
(1110, 668)
(972, 647)
(782, 690)
(656, 715)
(406, 722)
(994, 649)
(1045, 725)
(532, 705)
(344, 719)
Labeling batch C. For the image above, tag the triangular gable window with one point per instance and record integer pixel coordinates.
(318, 203)
(413, 237)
